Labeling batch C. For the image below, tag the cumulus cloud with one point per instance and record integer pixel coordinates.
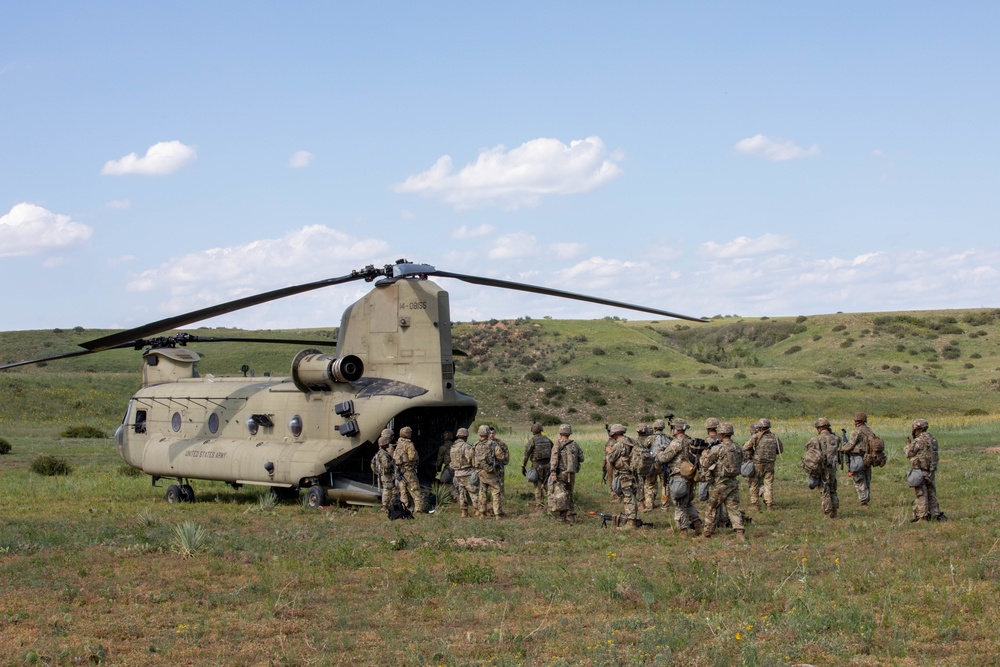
(744, 246)
(464, 232)
(518, 177)
(119, 204)
(566, 250)
(32, 230)
(514, 246)
(774, 148)
(162, 158)
(301, 159)
(218, 275)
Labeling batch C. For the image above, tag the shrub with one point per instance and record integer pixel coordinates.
(544, 418)
(800, 319)
(793, 349)
(4, 446)
(840, 327)
(599, 352)
(534, 376)
(50, 466)
(82, 431)
(660, 374)
(512, 405)
(189, 539)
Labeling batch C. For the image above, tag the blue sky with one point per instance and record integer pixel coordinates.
(726, 158)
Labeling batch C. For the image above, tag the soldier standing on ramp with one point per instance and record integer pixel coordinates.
(406, 459)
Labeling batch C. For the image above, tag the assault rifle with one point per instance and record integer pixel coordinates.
(617, 520)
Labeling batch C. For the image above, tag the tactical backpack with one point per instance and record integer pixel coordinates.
(643, 461)
(397, 510)
(731, 461)
(483, 456)
(812, 461)
(875, 456)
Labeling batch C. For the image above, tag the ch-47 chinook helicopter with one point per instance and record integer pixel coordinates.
(316, 429)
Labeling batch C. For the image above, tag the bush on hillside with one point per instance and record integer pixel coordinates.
(4, 446)
(82, 431)
(50, 466)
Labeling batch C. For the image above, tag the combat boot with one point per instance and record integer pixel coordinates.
(465, 513)
(740, 536)
(697, 526)
(628, 524)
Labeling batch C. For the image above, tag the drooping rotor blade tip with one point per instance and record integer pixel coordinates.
(523, 287)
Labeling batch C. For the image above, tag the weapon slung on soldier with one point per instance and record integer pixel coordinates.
(617, 520)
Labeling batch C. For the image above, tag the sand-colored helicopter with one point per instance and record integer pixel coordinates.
(316, 429)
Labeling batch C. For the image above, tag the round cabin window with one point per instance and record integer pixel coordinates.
(175, 422)
(295, 425)
(213, 422)
(252, 426)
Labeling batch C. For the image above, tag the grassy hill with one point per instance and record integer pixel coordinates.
(890, 364)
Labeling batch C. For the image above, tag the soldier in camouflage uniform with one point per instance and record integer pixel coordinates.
(406, 459)
(564, 463)
(620, 459)
(444, 453)
(502, 455)
(644, 464)
(711, 439)
(720, 464)
(828, 445)
(923, 454)
(673, 460)
(461, 457)
(539, 452)
(764, 448)
(609, 472)
(857, 445)
(488, 469)
(657, 446)
(385, 470)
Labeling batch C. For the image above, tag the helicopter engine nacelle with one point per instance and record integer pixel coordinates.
(312, 370)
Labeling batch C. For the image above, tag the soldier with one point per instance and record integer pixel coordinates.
(857, 445)
(502, 455)
(389, 434)
(539, 452)
(385, 469)
(923, 454)
(721, 465)
(444, 453)
(828, 446)
(488, 469)
(659, 445)
(644, 465)
(712, 439)
(676, 461)
(462, 462)
(764, 448)
(608, 472)
(620, 458)
(564, 463)
(406, 459)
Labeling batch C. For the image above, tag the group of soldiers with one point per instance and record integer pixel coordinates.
(674, 468)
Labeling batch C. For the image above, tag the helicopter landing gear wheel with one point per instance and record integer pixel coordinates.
(173, 494)
(315, 497)
(187, 493)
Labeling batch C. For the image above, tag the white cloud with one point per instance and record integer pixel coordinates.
(464, 232)
(119, 204)
(53, 262)
(744, 246)
(518, 177)
(32, 230)
(301, 159)
(566, 250)
(514, 246)
(164, 157)
(218, 275)
(774, 148)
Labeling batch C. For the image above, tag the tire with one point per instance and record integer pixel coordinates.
(173, 494)
(187, 493)
(316, 497)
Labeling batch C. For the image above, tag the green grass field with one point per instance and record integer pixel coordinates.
(96, 570)
(94, 573)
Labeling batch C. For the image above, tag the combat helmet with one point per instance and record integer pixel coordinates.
(860, 417)
(711, 423)
(725, 428)
(616, 429)
(764, 424)
(405, 432)
(822, 422)
(484, 430)
(920, 424)
(536, 428)
(659, 425)
(386, 433)
(462, 433)
(642, 429)
(565, 429)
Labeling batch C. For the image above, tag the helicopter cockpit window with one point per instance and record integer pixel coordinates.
(295, 425)
(175, 422)
(252, 426)
(140, 421)
(213, 422)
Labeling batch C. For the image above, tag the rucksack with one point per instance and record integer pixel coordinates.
(484, 457)
(731, 460)
(643, 461)
(812, 461)
(876, 452)
(397, 510)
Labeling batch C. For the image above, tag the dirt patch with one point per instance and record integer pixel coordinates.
(478, 543)
(993, 450)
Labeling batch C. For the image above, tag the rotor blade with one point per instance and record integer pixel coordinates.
(278, 341)
(494, 282)
(39, 360)
(169, 323)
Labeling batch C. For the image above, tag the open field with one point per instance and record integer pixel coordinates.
(93, 573)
